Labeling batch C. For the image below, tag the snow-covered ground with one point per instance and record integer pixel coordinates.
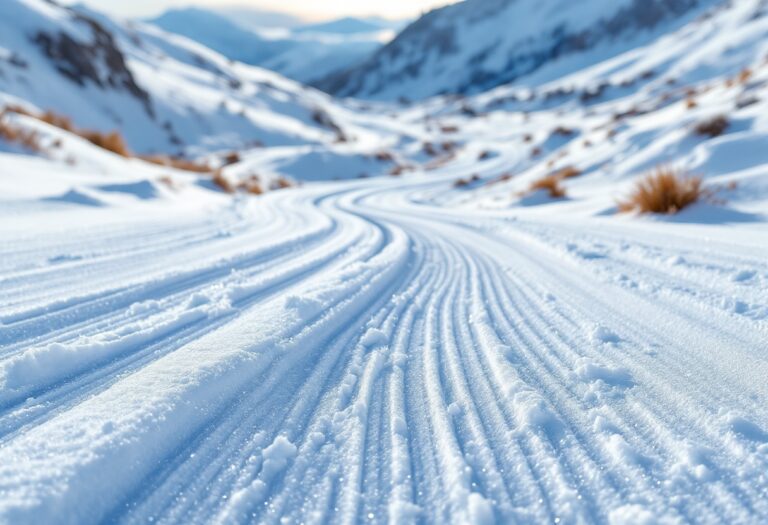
(439, 346)
(354, 352)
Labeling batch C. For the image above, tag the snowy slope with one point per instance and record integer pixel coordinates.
(404, 349)
(165, 93)
(354, 353)
(475, 45)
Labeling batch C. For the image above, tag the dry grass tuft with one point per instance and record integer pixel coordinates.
(253, 188)
(504, 177)
(463, 183)
(551, 184)
(664, 191)
(177, 163)
(231, 158)
(568, 172)
(113, 141)
(430, 150)
(55, 120)
(399, 169)
(744, 75)
(281, 183)
(223, 182)
(713, 127)
(15, 135)
(563, 131)
(384, 156)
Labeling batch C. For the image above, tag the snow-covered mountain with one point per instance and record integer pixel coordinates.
(349, 26)
(163, 92)
(254, 18)
(305, 53)
(475, 45)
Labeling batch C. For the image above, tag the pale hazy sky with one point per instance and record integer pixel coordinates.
(309, 9)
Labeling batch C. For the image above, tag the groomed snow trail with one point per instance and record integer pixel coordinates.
(351, 353)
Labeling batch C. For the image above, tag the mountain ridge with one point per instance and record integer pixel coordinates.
(476, 45)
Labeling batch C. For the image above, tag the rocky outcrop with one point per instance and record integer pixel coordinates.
(99, 61)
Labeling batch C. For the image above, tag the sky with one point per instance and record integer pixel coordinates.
(308, 9)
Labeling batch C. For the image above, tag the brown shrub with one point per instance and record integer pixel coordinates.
(664, 191)
(744, 75)
(168, 181)
(231, 158)
(568, 172)
(398, 170)
(713, 127)
(690, 103)
(449, 129)
(463, 183)
(281, 183)
(113, 141)
(58, 121)
(109, 141)
(504, 177)
(535, 152)
(222, 182)
(549, 183)
(253, 187)
(384, 156)
(177, 163)
(25, 138)
(563, 131)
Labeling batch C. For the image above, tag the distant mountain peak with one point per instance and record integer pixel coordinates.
(476, 45)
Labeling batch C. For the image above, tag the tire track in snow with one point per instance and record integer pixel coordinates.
(412, 365)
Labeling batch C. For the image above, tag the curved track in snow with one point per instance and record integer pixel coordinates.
(355, 354)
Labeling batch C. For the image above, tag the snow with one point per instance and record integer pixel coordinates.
(475, 45)
(395, 348)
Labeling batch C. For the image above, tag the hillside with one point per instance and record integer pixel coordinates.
(164, 93)
(476, 45)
